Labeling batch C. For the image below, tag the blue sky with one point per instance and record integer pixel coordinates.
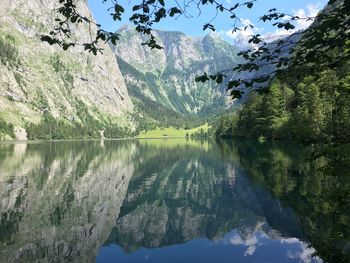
(193, 26)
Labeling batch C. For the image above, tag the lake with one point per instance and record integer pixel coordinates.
(172, 200)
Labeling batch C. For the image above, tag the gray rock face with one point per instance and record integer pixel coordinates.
(184, 195)
(167, 76)
(46, 78)
(61, 208)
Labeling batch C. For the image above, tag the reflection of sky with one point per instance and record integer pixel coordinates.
(305, 255)
(295, 249)
(257, 247)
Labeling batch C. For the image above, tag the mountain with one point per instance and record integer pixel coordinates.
(166, 77)
(62, 201)
(49, 93)
(182, 193)
(39, 82)
(66, 206)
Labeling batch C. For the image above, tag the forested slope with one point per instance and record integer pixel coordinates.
(309, 103)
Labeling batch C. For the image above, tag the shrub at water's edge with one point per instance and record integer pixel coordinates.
(7, 131)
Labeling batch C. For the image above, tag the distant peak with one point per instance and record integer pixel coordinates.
(126, 27)
(161, 31)
(214, 35)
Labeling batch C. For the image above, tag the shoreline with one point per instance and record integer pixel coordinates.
(81, 140)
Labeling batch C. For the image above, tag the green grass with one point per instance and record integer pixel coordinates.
(173, 143)
(171, 132)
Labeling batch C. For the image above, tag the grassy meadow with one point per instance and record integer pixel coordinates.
(171, 132)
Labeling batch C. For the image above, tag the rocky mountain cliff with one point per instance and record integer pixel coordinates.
(167, 77)
(49, 93)
(181, 192)
(36, 78)
(60, 201)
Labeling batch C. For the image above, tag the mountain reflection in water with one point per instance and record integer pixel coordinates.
(171, 200)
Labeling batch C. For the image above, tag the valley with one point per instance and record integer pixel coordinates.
(47, 93)
(174, 131)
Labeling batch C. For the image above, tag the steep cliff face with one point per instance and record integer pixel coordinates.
(60, 201)
(37, 78)
(183, 193)
(167, 76)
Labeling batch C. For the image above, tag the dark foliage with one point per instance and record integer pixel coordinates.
(7, 128)
(8, 53)
(57, 129)
(314, 109)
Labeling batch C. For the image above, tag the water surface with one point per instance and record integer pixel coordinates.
(172, 201)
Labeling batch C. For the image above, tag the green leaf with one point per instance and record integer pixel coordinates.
(237, 94)
(173, 11)
(250, 5)
(118, 8)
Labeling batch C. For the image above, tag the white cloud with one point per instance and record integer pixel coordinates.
(251, 242)
(242, 36)
(305, 254)
(291, 240)
(311, 11)
(250, 251)
(295, 248)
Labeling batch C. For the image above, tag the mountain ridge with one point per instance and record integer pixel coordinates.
(49, 93)
(167, 76)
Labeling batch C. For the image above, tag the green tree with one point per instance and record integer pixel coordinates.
(341, 116)
(274, 115)
(308, 119)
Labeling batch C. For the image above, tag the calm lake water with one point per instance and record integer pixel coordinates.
(172, 201)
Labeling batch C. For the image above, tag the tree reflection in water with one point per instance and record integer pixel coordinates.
(70, 201)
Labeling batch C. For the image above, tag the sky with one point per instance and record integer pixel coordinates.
(223, 24)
